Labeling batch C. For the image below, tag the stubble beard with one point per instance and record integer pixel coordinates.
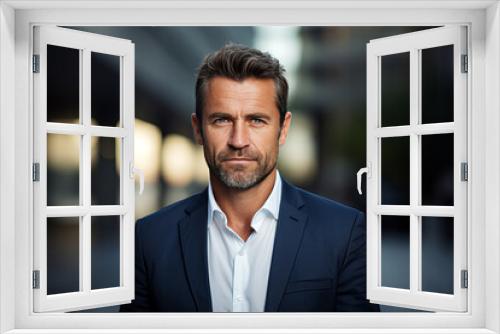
(237, 177)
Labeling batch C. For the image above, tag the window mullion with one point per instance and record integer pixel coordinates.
(415, 268)
(85, 242)
(85, 273)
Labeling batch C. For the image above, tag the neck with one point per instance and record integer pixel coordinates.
(241, 205)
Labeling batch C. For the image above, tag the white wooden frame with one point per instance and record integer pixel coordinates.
(412, 43)
(484, 120)
(86, 43)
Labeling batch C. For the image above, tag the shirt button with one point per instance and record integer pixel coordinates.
(239, 299)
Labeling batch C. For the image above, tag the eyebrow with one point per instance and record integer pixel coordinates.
(219, 114)
(258, 115)
(227, 115)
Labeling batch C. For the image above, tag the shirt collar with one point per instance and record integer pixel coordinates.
(271, 205)
(213, 207)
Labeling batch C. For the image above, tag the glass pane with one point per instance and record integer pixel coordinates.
(63, 255)
(105, 256)
(395, 90)
(105, 171)
(63, 165)
(437, 169)
(437, 84)
(396, 251)
(105, 89)
(437, 254)
(395, 171)
(63, 84)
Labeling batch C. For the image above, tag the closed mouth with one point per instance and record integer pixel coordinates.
(239, 159)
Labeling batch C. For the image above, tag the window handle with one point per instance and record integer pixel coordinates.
(362, 171)
(137, 171)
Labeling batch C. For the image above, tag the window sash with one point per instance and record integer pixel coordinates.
(86, 43)
(413, 297)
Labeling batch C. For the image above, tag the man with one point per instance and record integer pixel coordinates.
(250, 242)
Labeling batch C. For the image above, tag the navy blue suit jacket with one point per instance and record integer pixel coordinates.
(318, 262)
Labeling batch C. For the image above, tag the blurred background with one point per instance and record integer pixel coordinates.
(326, 70)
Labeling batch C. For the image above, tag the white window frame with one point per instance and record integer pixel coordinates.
(413, 43)
(85, 43)
(16, 19)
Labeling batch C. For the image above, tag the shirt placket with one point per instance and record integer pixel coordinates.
(240, 280)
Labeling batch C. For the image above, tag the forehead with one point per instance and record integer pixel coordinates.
(251, 94)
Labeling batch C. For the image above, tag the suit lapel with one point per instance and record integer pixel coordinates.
(289, 231)
(193, 238)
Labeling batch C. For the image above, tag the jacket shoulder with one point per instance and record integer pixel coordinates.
(325, 206)
(169, 215)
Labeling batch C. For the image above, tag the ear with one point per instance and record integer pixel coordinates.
(284, 128)
(196, 124)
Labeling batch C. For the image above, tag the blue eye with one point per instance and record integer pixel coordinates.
(258, 120)
(220, 120)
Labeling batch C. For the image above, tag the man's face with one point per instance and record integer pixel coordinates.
(241, 130)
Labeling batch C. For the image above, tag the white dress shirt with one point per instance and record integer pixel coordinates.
(238, 271)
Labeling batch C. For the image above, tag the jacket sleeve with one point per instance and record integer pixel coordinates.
(142, 301)
(351, 288)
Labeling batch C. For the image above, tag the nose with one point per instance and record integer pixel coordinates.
(239, 138)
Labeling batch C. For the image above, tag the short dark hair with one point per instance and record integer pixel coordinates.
(239, 62)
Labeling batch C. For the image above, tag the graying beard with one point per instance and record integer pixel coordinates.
(241, 185)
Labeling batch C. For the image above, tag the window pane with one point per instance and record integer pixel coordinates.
(437, 84)
(63, 84)
(395, 90)
(63, 255)
(396, 251)
(105, 89)
(437, 169)
(395, 171)
(437, 254)
(106, 171)
(105, 251)
(63, 165)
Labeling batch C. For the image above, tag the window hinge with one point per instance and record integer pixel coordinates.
(36, 63)
(36, 279)
(465, 279)
(464, 171)
(465, 64)
(36, 172)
